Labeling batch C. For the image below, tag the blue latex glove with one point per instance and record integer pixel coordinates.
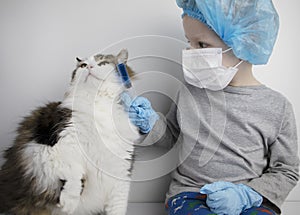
(140, 112)
(225, 198)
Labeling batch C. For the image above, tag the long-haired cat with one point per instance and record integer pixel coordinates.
(74, 156)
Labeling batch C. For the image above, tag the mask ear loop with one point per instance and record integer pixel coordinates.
(239, 63)
(227, 50)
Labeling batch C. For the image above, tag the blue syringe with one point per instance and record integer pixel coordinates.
(126, 79)
(124, 75)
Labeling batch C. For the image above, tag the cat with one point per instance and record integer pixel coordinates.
(74, 156)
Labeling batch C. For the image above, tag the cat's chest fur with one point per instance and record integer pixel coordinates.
(101, 125)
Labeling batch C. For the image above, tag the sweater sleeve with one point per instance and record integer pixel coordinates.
(282, 173)
(166, 130)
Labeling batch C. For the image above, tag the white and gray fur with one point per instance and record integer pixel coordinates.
(74, 156)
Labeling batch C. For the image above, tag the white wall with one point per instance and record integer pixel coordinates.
(283, 73)
(40, 40)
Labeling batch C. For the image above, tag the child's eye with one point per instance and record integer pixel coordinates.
(202, 45)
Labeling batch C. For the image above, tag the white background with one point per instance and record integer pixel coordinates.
(39, 41)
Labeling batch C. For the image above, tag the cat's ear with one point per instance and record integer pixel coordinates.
(78, 59)
(123, 55)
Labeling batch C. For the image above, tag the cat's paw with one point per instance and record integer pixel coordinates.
(68, 203)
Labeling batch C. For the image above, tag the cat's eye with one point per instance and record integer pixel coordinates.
(102, 63)
(83, 65)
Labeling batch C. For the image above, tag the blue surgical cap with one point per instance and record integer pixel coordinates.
(249, 27)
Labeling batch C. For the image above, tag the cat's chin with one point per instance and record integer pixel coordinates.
(97, 81)
(90, 82)
(92, 75)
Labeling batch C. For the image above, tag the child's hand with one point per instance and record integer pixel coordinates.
(228, 198)
(140, 112)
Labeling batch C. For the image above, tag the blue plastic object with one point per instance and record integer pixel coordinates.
(249, 27)
(124, 75)
(228, 198)
(140, 112)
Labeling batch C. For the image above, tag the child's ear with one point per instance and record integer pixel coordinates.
(123, 56)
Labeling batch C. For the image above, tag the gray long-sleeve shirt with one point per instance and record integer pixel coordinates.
(241, 134)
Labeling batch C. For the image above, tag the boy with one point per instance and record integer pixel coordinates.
(245, 131)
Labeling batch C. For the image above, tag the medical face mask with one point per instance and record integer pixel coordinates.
(203, 68)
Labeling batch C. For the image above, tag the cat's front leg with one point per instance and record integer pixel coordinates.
(70, 194)
(119, 201)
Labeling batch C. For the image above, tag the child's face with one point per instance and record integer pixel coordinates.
(200, 36)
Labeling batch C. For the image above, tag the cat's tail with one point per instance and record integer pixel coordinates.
(3, 205)
(11, 184)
